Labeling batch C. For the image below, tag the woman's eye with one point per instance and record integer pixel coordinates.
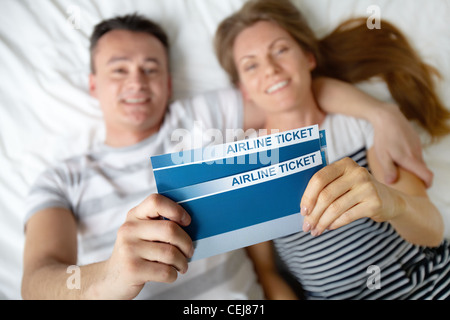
(250, 67)
(281, 50)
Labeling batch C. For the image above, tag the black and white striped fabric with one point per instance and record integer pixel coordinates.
(364, 259)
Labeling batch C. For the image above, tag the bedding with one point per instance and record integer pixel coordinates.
(46, 113)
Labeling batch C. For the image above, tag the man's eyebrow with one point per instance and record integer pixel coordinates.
(118, 59)
(154, 60)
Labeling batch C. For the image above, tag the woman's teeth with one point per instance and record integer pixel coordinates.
(277, 86)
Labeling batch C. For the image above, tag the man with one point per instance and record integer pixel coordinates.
(92, 194)
(101, 210)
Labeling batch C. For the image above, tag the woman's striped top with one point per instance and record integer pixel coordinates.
(364, 259)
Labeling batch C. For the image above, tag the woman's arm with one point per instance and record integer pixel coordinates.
(275, 287)
(416, 219)
(405, 150)
(344, 192)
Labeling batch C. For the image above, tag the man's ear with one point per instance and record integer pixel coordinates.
(169, 85)
(93, 85)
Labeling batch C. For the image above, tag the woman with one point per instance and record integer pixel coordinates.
(352, 221)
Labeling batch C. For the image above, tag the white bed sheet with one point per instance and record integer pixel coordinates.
(46, 113)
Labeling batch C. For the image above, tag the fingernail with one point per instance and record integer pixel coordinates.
(185, 219)
(304, 211)
(306, 226)
(184, 270)
(390, 179)
(314, 232)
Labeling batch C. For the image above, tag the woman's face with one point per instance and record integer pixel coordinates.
(274, 71)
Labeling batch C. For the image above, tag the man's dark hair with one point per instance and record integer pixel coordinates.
(132, 22)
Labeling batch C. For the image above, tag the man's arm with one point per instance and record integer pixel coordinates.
(50, 247)
(147, 249)
(405, 150)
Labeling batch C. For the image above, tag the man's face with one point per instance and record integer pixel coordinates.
(131, 81)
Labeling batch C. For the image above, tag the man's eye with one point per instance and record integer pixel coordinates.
(119, 71)
(150, 71)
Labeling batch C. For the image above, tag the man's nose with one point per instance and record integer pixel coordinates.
(137, 79)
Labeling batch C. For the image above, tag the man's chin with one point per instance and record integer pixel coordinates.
(142, 124)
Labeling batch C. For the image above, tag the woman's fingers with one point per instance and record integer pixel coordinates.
(341, 211)
(334, 196)
(350, 215)
(330, 199)
(318, 183)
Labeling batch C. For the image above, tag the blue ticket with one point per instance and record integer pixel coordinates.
(245, 192)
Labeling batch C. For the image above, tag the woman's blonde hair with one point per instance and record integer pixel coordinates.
(352, 53)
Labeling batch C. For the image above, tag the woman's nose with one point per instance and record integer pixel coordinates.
(272, 66)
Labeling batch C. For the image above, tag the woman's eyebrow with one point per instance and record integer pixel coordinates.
(249, 56)
(272, 44)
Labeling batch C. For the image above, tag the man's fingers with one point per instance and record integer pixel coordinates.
(415, 165)
(157, 206)
(163, 253)
(419, 168)
(159, 231)
(151, 271)
(390, 170)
